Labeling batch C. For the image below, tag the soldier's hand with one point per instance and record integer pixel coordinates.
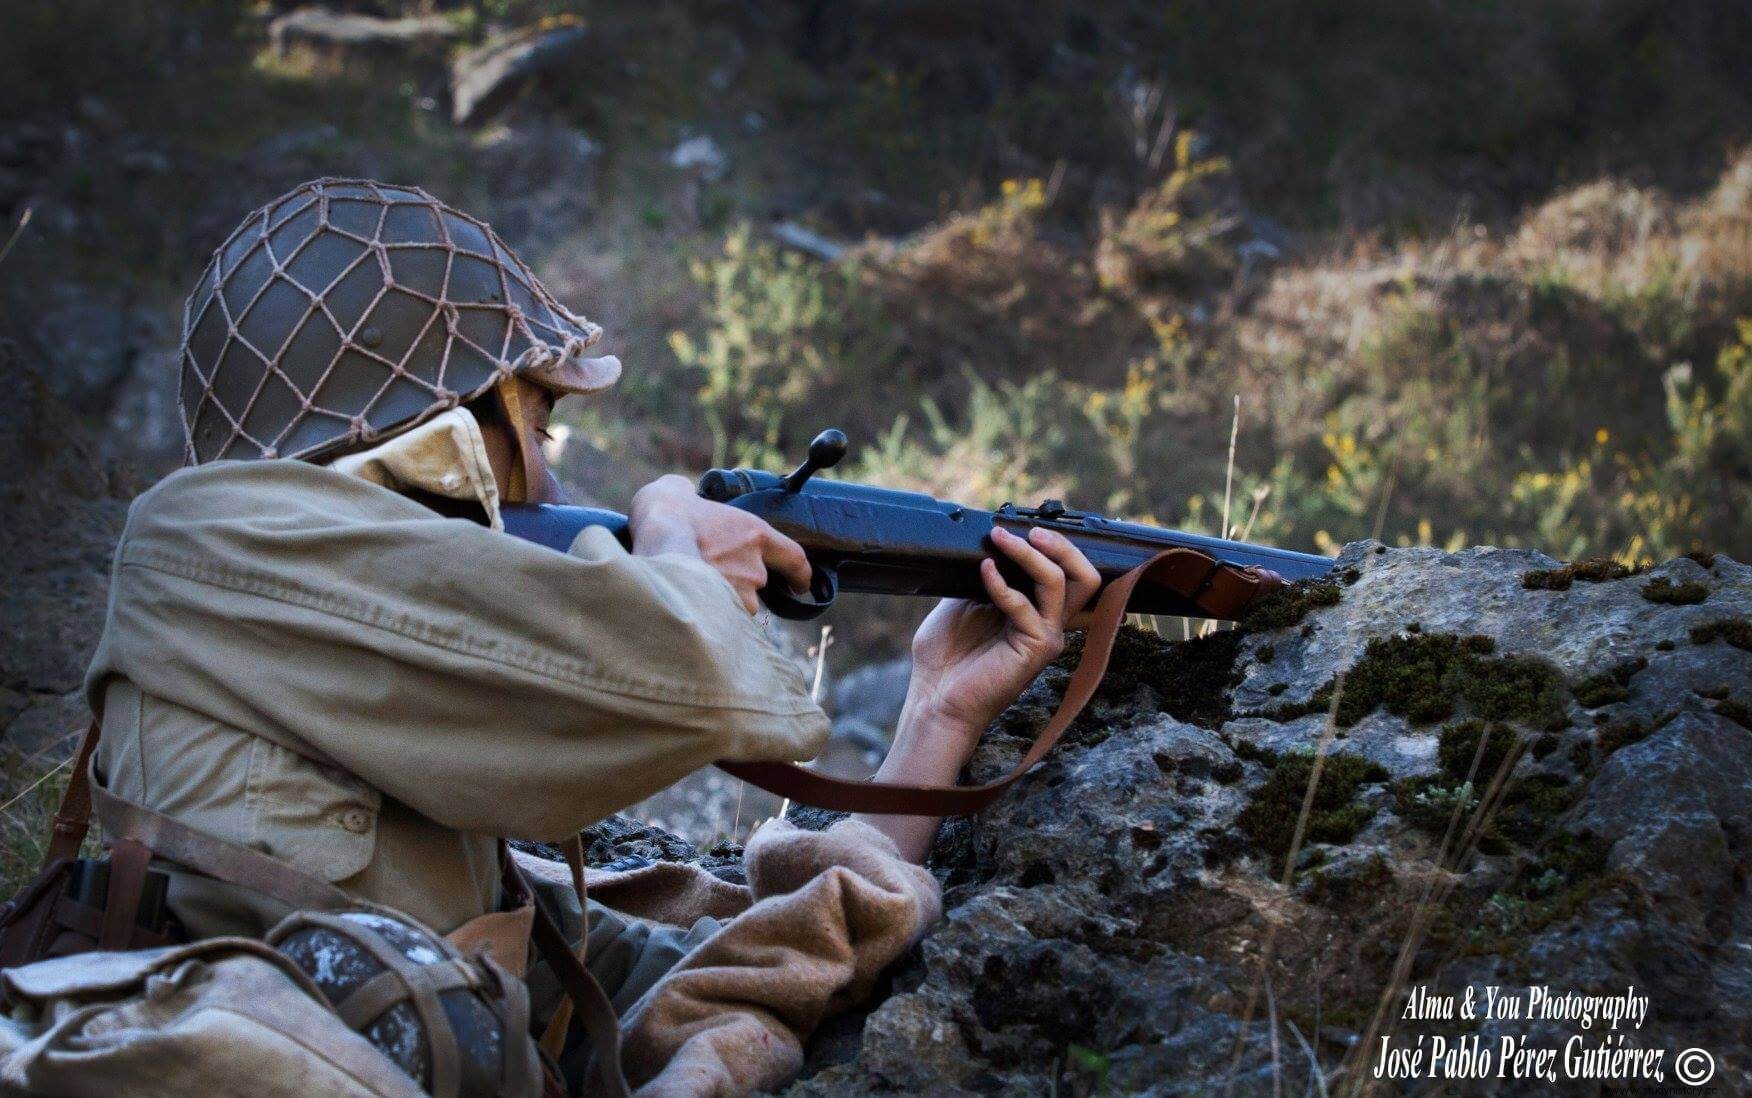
(668, 516)
(971, 660)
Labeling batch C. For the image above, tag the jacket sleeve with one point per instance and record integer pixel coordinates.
(490, 684)
(831, 910)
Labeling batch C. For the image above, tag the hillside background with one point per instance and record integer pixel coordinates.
(1452, 273)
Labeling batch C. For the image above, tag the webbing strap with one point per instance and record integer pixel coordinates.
(1216, 588)
(218, 858)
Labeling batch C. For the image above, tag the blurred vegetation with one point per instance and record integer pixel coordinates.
(1476, 271)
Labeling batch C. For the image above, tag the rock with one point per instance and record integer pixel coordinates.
(350, 34)
(700, 154)
(64, 509)
(621, 843)
(1673, 807)
(485, 79)
(807, 241)
(872, 696)
(1107, 920)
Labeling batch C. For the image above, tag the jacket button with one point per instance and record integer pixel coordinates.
(356, 820)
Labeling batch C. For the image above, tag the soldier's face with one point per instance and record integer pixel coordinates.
(514, 445)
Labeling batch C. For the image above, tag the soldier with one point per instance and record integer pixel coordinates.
(341, 662)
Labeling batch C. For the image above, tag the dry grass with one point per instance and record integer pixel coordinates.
(30, 791)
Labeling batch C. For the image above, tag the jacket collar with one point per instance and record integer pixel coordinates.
(445, 456)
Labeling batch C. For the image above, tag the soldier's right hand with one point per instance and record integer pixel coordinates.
(668, 516)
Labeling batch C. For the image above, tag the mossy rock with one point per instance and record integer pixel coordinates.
(1737, 711)
(1425, 678)
(1191, 679)
(1664, 590)
(1287, 606)
(1593, 570)
(1333, 817)
(1735, 631)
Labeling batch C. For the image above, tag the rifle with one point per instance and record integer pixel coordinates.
(867, 539)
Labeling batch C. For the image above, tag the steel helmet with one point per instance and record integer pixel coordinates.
(348, 311)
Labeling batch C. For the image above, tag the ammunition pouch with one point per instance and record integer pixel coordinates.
(64, 911)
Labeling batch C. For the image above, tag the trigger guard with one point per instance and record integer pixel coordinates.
(823, 589)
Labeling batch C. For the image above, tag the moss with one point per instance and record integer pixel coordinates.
(1600, 690)
(1252, 752)
(1350, 576)
(1609, 686)
(1611, 737)
(1736, 631)
(1428, 803)
(1664, 645)
(1530, 807)
(1334, 817)
(1545, 745)
(1425, 677)
(1737, 711)
(1662, 589)
(1707, 560)
(1191, 679)
(1350, 886)
(1719, 692)
(1266, 653)
(1277, 688)
(1593, 570)
(1458, 745)
(1414, 627)
(1289, 605)
(1581, 756)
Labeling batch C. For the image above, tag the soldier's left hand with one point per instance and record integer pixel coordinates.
(971, 660)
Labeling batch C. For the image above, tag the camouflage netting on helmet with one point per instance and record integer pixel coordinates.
(349, 309)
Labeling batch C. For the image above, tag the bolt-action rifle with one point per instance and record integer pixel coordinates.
(863, 538)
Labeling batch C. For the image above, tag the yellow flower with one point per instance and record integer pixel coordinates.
(1601, 434)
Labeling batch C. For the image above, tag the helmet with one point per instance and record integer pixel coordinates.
(459, 1026)
(348, 311)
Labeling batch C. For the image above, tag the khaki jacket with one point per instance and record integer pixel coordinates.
(305, 660)
(302, 660)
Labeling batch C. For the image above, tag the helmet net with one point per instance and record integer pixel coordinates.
(349, 309)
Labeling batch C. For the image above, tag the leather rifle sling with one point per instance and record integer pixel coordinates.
(1220, 590)
(589, 1003)
(73, 815)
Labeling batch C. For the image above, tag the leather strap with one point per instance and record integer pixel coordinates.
(1219, 589)
(121, 906)
(591, 1003)
(553, 1039)
(123, 820)
(73, 816)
